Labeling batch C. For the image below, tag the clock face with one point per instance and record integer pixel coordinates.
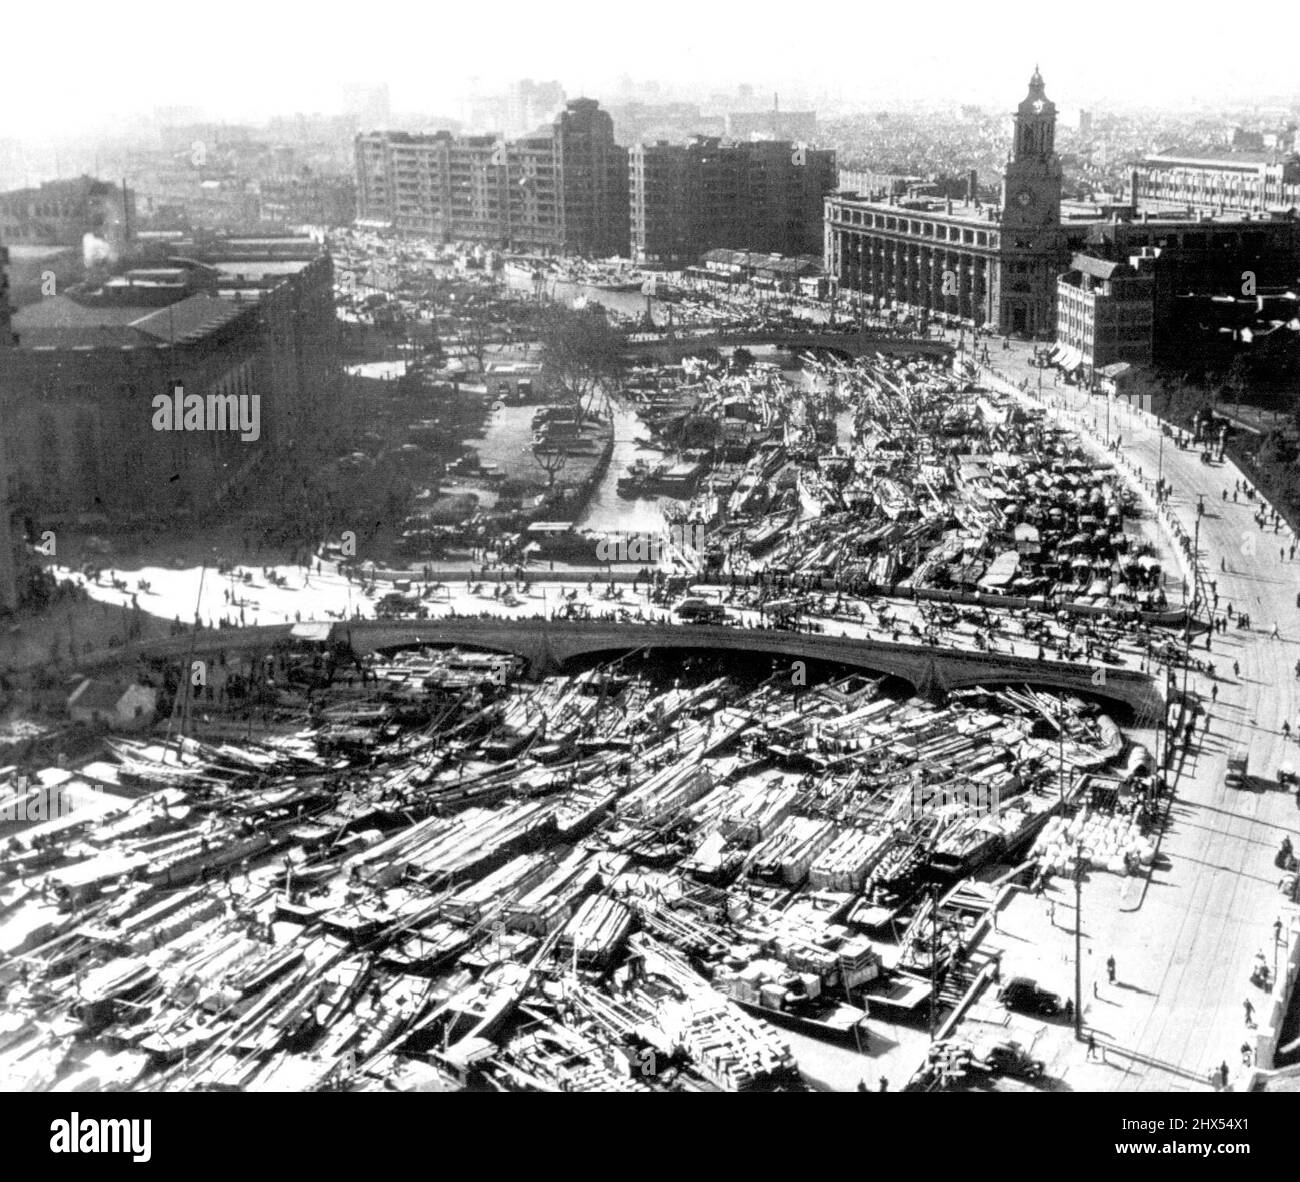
(1038, 106)
(1024, 199)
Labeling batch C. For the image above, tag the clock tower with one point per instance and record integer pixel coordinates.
(1031, 186)
(1031, 218)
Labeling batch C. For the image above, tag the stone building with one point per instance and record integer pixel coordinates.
(227, 319)
(1218, 182)
(987, 265)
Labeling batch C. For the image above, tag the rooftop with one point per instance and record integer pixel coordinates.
(61, 322)
(939, 208)
(1209, 156)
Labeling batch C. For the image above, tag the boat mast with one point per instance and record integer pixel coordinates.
(187, 674)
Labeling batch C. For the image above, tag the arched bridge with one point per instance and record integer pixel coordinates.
(929, 670)
(547, 646)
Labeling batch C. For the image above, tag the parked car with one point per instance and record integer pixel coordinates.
(1009, 1058)
(1026, 995)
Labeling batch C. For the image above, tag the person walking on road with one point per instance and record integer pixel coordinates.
(1092, 1045)
(1236, 669)
(1110, 969)
(1250, 1013)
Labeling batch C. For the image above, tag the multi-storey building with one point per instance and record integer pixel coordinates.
(1105, 312)
(988, 265)
(62, 213)
(227, 318)
(563, 191)
(764, 195)
(1218, 182)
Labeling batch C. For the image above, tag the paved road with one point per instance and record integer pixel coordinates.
(1184, 957)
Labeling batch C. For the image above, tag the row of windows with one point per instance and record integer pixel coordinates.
(939, 231)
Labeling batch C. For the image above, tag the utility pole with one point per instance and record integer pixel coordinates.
(1060, 736)
(934, 959)
(1078, 947)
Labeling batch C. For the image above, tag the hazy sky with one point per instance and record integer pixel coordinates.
(241, 59)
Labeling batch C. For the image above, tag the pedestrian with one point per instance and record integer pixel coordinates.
(1092, 1045)
(884, 1084)
(1250, 1013)
(1236, 669)
(1277, 930)
(1223, 1074)
(1214, 693)
(1110, 969)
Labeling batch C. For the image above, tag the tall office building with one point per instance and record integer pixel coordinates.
(764, 195)
(565, 190)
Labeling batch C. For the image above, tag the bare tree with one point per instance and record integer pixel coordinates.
(551, 460)
(475, 336)
(582, 356)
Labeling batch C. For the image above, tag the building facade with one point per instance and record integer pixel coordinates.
(62, 213)
(228, 319)
(1105, 313)
(562, 191)
(1222, 182)
(986, 265)
(762, 195)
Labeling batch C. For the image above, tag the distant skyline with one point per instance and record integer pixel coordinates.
(244, 61)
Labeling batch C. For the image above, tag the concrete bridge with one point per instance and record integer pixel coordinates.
(547, 646)
(842, 344)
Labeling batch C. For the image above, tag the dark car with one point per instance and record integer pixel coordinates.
(1026, 995)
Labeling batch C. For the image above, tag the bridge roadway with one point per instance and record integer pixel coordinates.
(548, 645)
(846, 344)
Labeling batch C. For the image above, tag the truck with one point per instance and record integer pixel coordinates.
(958, 1060)
(1238, 762)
